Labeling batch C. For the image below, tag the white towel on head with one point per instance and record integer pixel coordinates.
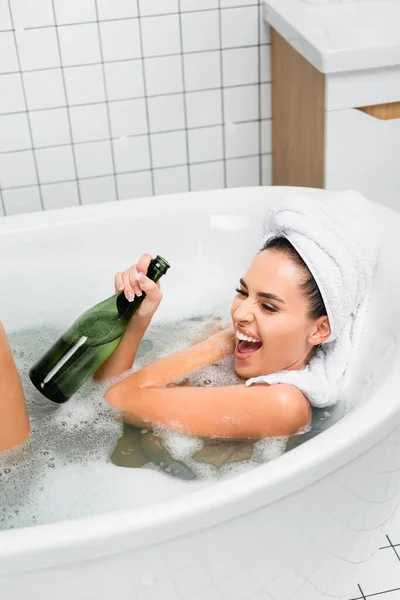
(337, 235)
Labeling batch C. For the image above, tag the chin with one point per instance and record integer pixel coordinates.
(244, 370)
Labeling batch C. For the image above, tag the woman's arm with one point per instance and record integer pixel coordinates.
(233, 411)
(123, 357)
(133, 282)
(163, 371)
(227, 412)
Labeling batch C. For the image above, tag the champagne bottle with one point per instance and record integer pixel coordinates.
(87, 344)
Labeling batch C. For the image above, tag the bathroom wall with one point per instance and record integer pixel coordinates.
(111, 99)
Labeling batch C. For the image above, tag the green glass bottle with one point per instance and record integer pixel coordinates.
(87, 344)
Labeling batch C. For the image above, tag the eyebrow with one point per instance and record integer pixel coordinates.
(264, 294)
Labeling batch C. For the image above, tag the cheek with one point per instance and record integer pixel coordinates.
(283, 329)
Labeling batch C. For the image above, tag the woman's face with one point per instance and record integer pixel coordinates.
(270, 307)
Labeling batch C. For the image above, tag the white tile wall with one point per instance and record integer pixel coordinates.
(117, 9)
(94, 159)
(5, 19)
(73, 51)
(89, 123)
(110, 99)
(44, 89)
(55, 164)
(166, 112)
(120, 39)
(187, 5)
(163, 75)
(124, 79)
(26, 13)
(84, 85)
(8, 54)
(171, 180)
(60, 195)
(202, 70)
(37, 49)
(134, 185)
(128, 117)
(204, 108)
(14, 132)
(74, 11)
(100, 189)
(50, 127)
(11, 93)
(158, 7)
(206, 144)
(243, 172)
(168, 149)
(17, 168)
(200, 31)
(132, 154)
(239, 26)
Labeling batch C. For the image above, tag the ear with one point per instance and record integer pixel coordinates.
(320, 332)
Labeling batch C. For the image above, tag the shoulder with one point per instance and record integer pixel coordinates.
(285, 400)
(294, 403)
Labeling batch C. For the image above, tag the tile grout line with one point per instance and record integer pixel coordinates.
(133, 135)
(146, 101)
(107, 103)
(152, 16)
(185, 112)
(91, 177)
(377, 595)
(393, 548)
(361, 592)
(26, 111)
(218, 10)
(132, 58)
(221, 66)
(77, 105)
(67, 106)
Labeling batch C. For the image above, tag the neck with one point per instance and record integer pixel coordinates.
(302, 361)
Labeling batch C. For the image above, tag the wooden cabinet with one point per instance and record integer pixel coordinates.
(337, 131)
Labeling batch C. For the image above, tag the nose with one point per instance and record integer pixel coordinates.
(244, 312)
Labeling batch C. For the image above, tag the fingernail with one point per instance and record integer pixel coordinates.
(141, 278)
(137, 291)
(121, 287)
(130, 296)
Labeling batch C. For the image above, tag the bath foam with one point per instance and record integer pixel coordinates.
(184, 447)
(81, 432)
(63, 470)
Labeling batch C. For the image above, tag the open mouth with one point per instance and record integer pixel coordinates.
(246, 346)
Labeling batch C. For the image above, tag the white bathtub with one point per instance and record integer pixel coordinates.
(297, 528)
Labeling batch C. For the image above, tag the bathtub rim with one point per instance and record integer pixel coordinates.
(118, 531)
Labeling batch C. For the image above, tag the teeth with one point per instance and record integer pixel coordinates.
(246, 338)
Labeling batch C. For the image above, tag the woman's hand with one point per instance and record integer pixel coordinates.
(134, 282)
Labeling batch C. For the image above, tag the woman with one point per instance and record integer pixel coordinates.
(279, 320)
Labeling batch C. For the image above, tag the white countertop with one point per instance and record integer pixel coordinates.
(339, 36)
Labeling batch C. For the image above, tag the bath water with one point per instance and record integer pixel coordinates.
(75, 461)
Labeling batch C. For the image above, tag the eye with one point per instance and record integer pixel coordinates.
(241, 292)
(269, 308)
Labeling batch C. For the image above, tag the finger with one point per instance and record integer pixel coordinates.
(151, 288)
(129, 293)
(143, 263)
(133, 274)
(119, 284)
